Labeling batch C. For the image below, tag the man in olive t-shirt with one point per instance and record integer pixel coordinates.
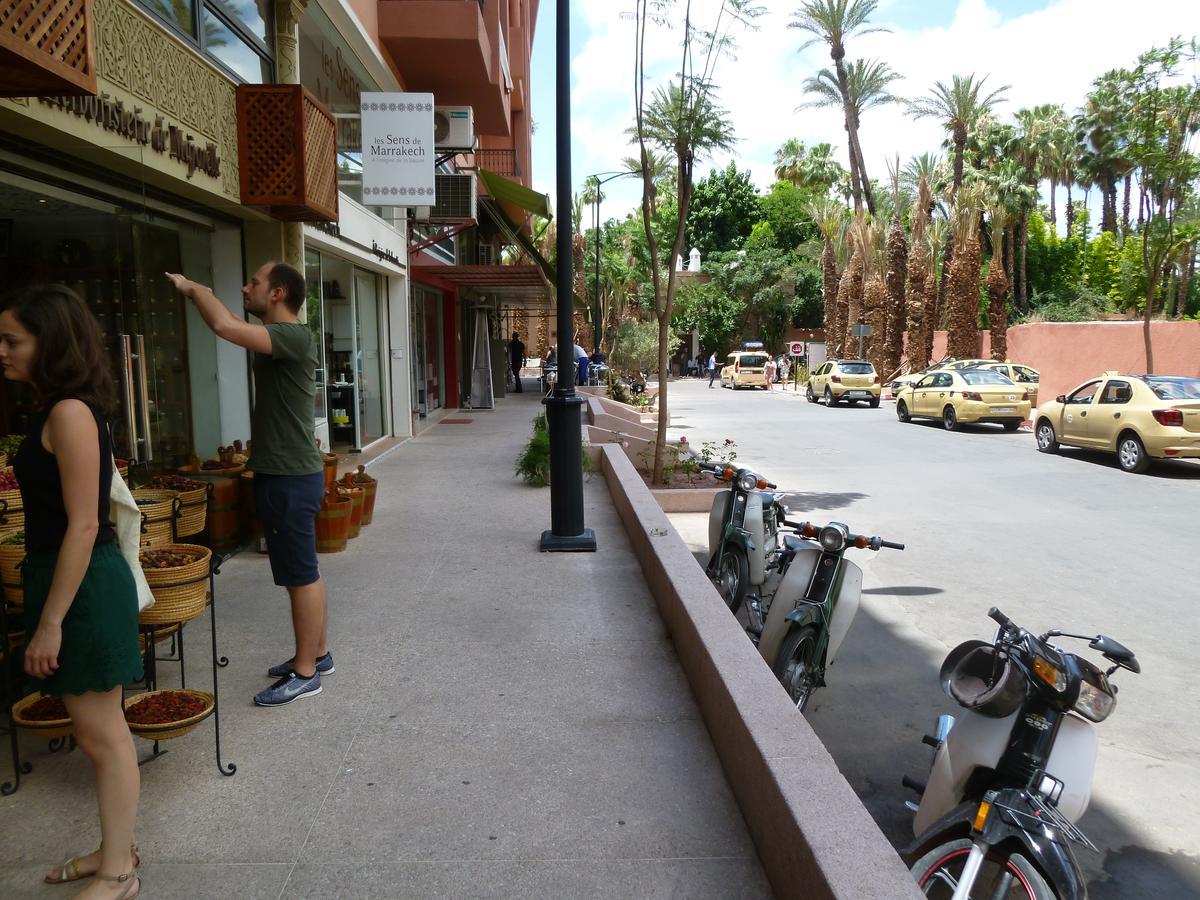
(289, 482)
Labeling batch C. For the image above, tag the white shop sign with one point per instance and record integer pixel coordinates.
(398, 152)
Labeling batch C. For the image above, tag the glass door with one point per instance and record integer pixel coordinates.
(367, 323)
(416, 318)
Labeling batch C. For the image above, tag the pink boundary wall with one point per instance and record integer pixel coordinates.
(1069, 353)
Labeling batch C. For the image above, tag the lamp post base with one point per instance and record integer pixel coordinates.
(569, 543)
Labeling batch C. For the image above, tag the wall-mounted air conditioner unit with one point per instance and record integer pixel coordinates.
(457, 198)
(454, 128)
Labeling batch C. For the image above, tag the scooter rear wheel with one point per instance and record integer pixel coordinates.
(1003, 875)
(796, 664)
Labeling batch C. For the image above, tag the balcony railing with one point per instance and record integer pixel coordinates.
(502, 162)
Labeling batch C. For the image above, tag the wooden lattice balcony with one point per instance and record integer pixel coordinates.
(47, 48)
(287, 147)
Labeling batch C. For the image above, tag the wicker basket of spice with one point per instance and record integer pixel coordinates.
(12, 512)
(193, 502)
(12, 554)
(160, 509)
(178, 578)
(45, 716)
(162, 715)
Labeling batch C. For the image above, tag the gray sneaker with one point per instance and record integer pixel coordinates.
(288, 688)
(324, 667)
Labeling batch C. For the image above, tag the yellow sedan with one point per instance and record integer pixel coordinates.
(1025, 376)
(969, 397)
(1138, 417)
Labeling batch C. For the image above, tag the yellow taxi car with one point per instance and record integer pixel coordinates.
(957, 365)
(1025, 376)
(745, 368)
(844, 379)
(967, 397)
(1138, 417)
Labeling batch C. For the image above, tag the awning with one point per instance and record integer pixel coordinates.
(526, 281)
(515, 197)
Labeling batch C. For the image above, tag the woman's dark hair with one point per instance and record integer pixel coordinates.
(70, 362)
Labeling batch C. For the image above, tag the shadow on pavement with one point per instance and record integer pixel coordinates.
(1182, 469)
(909, 590)
(803, 501)
(883, 695)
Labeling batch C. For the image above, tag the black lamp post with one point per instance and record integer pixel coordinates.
(597, 181)
(567, 531)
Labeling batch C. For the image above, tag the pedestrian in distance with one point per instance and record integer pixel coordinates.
(289, 481)
(581, 363)
(81, 600)
(784, 368)
(769, 372)
(712, 368)
(516, 359)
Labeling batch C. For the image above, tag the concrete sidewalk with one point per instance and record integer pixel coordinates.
(502, 722)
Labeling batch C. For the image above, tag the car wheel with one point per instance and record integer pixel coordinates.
(809, 395)
(1047, 441)
(875, 403)
(1011, 426)
(1131, 453)
(902, 412)
(949, 419)
(829, 401)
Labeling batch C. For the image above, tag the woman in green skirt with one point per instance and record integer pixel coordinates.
(81, 608)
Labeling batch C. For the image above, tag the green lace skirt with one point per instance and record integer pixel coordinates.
(100, 632)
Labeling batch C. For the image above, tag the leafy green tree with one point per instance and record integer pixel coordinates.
(709, 310)
(724, 208)
(786, 209)
(1102, 268)
(637, 346)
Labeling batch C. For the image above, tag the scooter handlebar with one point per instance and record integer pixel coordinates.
(861, 541)
(891, 545)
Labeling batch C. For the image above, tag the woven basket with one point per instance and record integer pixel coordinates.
(51, 729)
(193, 511)
(14, 511)
(157, 515)
(122, 468)
(11, 557)
(175, 601)
(161, 633)
(169, 730)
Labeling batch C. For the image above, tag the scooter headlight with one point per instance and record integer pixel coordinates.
(832, 538)
(1094, 703)
(747, 482)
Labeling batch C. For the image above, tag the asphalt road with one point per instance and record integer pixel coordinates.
(1067, 541)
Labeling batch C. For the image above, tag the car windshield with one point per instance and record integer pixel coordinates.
(856, 368)
(1175, 388)
(984, 376)
(754, 361)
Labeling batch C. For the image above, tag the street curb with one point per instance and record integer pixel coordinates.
(814, 837)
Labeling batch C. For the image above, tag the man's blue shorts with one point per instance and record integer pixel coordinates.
(288, 505)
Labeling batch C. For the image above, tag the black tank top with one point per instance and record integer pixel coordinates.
(42, 491)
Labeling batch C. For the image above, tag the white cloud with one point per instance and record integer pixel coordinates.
(1046, 56)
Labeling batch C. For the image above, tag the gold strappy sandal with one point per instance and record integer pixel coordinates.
(131, 876)
(69, 871)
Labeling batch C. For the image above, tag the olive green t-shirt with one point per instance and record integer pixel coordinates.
(285, 390)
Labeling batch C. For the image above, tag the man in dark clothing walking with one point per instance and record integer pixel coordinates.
(516, 360)
(712, 369)
(289, 483)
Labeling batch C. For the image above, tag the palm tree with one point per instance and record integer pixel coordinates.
(997, 283)
(834, 22)
(788, 160)
(830, 217)
(820, 169)
(850, 286)
(960, 106)
(930, 167)
(918, 271)
(936, 231)
(897, 276)
(962, 340)
(860, 85)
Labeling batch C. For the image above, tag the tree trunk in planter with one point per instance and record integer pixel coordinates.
(849, 300)
(962, 288)
(875, 314)
(1024, 270)
(918, 272)
(897, 274)
(830, 273)
(997, 287)
(932, 287)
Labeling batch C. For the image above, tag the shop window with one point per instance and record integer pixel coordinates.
(235, 34)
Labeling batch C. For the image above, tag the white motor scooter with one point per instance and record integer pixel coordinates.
(743, 524)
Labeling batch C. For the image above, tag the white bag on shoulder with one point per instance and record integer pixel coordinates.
(128, 521)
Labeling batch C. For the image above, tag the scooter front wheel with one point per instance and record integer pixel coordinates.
(796, 664)
(730, 575)
(1009, 876)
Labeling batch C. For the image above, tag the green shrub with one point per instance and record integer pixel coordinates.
(533, 464)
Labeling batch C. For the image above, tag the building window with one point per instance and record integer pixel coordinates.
(234, 34)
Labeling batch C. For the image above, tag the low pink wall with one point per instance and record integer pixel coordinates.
(1069, 353)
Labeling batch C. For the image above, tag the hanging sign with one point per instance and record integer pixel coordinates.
(397, 149)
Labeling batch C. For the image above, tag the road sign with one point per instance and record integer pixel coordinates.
(796, 348)
(861, 330)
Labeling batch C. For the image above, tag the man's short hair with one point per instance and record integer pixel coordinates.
(291, 282)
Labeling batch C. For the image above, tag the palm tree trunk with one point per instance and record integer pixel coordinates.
(862, 169)
(1185, 279)
(1125, 209)
(1024, 245)
(838, 54)
(1010, 256)
(960, 144)
(1070, 209)
(1147, 315)
(1053, 205)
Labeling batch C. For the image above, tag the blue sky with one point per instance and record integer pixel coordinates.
(1047, 51)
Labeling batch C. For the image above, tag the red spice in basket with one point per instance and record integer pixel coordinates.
(48, 709)
(164, 708)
